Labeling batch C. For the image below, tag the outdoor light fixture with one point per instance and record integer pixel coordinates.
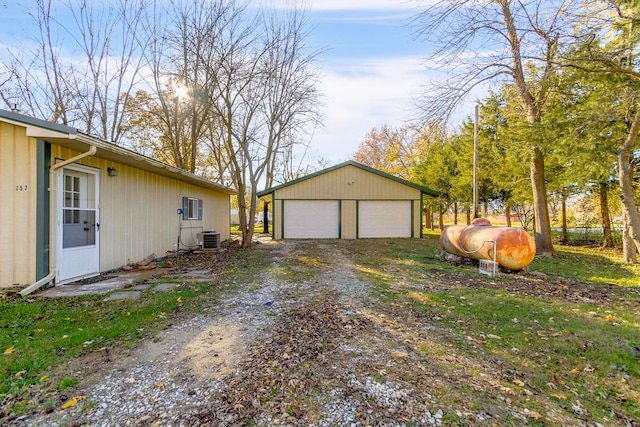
(112, 172)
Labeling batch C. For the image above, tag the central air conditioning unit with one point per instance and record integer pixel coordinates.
(209, 239)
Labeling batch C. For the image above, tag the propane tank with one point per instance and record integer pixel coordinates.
(510, 247)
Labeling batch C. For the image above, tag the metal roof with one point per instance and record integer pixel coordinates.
(425, 190)
(72, 138)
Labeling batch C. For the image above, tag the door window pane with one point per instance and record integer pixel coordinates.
(81, 230)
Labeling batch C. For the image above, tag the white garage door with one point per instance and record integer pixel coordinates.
(311, 219)
(384, 218)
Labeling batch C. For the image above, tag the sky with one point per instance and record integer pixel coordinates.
(372, 69)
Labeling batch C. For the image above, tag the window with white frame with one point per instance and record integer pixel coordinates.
(191, 208)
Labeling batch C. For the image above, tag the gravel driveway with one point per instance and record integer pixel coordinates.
(320, 352)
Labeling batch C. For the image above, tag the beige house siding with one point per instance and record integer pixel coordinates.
(18, 192)
(137, 208)
(138, 212)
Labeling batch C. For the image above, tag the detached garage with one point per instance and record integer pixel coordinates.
(346, 201)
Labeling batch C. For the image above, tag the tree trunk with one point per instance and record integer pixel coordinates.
(565, 234)
(427, 219)
(542, 225)
(607, 241)
(629, 208)
(629, 252)
(468, 216)
(441, 220)
(455, 213)
(265, 219)
(507, 212)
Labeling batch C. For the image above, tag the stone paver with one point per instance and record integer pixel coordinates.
(164, 287)
(125, 283)
(116, 296)
(121, 280)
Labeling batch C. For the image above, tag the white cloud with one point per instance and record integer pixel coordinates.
(362, 96)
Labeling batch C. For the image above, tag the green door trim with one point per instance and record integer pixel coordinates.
(43, 212)
(282, 219)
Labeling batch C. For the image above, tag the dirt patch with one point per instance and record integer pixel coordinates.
(528, 284)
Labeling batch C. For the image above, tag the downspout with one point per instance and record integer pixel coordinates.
(52, 222)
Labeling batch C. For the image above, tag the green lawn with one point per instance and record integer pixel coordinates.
(565, 345)
(575, 356)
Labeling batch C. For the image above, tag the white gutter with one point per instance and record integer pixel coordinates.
(52, 220)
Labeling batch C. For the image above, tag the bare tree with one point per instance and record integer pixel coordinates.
(291, 103)
(83, 69)
(179, 103)
(263, 95)
(483, 41)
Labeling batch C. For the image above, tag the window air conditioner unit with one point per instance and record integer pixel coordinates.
(209, 239)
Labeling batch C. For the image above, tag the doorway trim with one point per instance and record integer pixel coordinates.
(79, 209)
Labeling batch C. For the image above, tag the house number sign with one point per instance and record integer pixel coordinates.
(21, 187)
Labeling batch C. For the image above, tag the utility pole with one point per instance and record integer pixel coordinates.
(475, 166)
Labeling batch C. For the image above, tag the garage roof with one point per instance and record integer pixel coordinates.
(425, 190)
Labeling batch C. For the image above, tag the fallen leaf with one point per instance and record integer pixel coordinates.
(179, 299)
(44, 378)
(507, 390)
(532, 414)
(518, 382)
(9, 350)
(159, 384)
(73, 401)
(494, 337)
(18, 375)
(401, 355)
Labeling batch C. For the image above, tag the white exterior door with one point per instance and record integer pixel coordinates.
(78, 226)
(311, 219)
(384, 218)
